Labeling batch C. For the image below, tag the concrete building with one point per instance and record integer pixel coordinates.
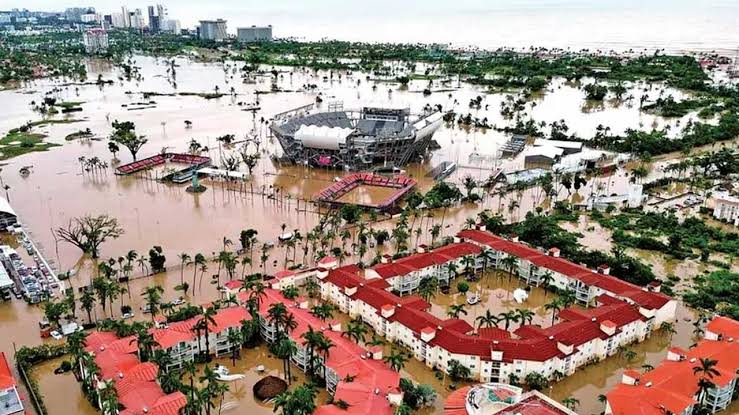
(137, 20)
(254, 34)
(213, 30)
(126, 17)
(154, 22)
(95, 40)
(726, 208)
(672, 387)
(171, 26)
(91, 18)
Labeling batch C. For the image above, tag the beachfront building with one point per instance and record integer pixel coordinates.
(535, 266)
(95, 40)
(213, 30)
(10, 402)
(254, 34)
(498, 398)
(726, 208)
(672, 387)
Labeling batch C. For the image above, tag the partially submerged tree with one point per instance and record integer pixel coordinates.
(89, 232)
(124, 133)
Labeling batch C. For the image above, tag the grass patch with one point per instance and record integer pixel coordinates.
(18, 143)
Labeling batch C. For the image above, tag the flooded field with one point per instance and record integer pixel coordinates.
(59, 189)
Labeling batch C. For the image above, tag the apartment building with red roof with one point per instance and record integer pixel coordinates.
(405, 274)
(587, 284)
(10, 399)
(672, 387)
(582, 336)
(374, 387)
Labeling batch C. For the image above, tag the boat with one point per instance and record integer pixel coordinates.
(223, 375)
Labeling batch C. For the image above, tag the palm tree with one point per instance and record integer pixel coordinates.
(403, 409)
(206, 320)
(486, 256)
(706, 369)
(509, 263)
(87, 301)
(428, 287)
(509, 317)
(311, 339)
(555, 306)
(545, 280)
(285, 349)
(198, 261)
(487, 320)
(396, 360)
(455, 310)
(524, 316)
(153, 297)
(324, 348)
(184, 259)
(355, 331)
(323, 311)
(276, 316)
(571, 403)
(235, 338)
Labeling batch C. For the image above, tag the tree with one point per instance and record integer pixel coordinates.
(455, 310)
(124, 133)
(554, 306)
(536, 381)
(524, 316)
(235, 339)
(355, 331)
(299, 401)
(285, 349)
(89, 232)
(184, 260)
(323, 311)
(458, 371)
(427, 288)
(487, 320)
(153, 297)
(53, 311)
(706, 369)
(463, 287)
(113, 148)
(157, 260)
(87, 301)
(206, 321)
(571, 403)
(509, 317)
(403, 409)
(396, 360)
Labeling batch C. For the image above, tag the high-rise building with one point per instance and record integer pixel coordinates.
(126, 17)
(154, 20)
(95, 40)
(213, 30)
(162, 13)
(171, 26)
(254, 34)
(137, 20)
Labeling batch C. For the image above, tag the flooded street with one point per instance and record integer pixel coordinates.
(153, 213)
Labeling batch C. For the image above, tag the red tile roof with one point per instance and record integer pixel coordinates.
(7, 380)
(647, 299)
(672, 385)
(416, 262)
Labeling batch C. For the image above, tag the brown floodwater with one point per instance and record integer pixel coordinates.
(152, 213)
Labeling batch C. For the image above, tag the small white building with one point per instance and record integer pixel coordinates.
(726, 208)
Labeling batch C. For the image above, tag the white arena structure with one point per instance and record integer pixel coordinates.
(354, 139)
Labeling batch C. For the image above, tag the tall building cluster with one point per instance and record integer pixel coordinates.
(156, 20)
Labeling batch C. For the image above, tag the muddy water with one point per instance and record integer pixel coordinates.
(157, 214)
(368, 195)
(495, 291)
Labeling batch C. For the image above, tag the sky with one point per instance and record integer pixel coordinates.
(486, 23)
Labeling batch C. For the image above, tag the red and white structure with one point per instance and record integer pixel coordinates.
(672, 387)
(10, 399)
